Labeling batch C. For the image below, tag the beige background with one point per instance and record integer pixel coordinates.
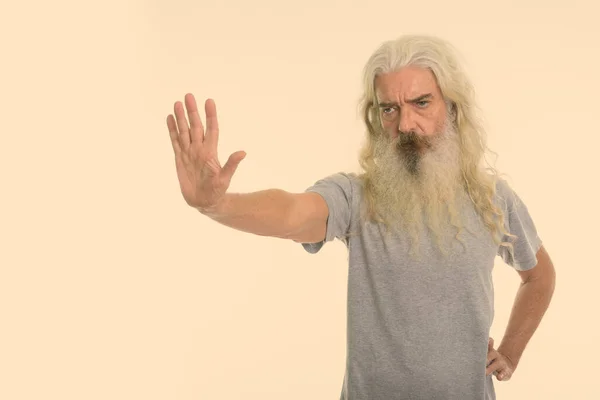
(112, 288)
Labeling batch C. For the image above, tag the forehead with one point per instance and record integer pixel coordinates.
(406, 83)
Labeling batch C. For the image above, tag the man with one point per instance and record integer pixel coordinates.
(423, 224)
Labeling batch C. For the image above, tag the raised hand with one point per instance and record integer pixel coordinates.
(202, 180)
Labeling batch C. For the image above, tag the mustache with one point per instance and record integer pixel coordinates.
(412, 140)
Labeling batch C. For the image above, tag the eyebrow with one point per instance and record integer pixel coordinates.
(414, 100)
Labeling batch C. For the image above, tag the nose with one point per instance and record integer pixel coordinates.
(407, 120)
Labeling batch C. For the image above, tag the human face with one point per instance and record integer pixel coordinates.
(417, 173)
(410, 103)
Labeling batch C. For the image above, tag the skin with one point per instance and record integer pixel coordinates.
(411, 101)
(202, 179)
(531, 302)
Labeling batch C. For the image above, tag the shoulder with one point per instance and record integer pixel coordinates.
(348, 183)
(341, 177)
(505, 194)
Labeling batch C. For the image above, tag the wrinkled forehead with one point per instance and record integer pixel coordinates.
(405, 84)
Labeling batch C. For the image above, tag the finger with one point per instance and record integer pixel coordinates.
(496, 365)
(211, 137)
(232, 163)
(182, 126)
(491, 355)
(196, 127)
(504, 375)
(173, 134)
(490, 343)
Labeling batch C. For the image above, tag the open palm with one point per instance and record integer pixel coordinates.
(202, 180)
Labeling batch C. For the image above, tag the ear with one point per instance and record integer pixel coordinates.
(452, 111)
(451, 107)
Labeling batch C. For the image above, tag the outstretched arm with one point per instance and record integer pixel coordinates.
(204, 183)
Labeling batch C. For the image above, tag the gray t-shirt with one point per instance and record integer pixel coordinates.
(418, 330)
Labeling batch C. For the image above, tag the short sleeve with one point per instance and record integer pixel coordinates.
(337, 191)
(519, 223)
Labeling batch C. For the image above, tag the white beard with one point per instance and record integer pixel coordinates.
(414, 190)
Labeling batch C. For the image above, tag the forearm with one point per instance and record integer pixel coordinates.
(531, 302)
(265, 213)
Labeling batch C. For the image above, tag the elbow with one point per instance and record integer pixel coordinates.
(302, 226)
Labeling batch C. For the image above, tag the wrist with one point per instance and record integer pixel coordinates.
(216, 208)
(511, 357)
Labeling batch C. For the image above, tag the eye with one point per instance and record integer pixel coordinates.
(422, 103)
(388, 113)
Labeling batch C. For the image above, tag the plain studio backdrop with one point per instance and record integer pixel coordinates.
(111, 287)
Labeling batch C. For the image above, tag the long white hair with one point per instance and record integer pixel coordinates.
(439, 56)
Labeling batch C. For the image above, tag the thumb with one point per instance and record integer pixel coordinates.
(232, 163)
(490, 343)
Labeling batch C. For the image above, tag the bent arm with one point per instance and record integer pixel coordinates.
(531, 302)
